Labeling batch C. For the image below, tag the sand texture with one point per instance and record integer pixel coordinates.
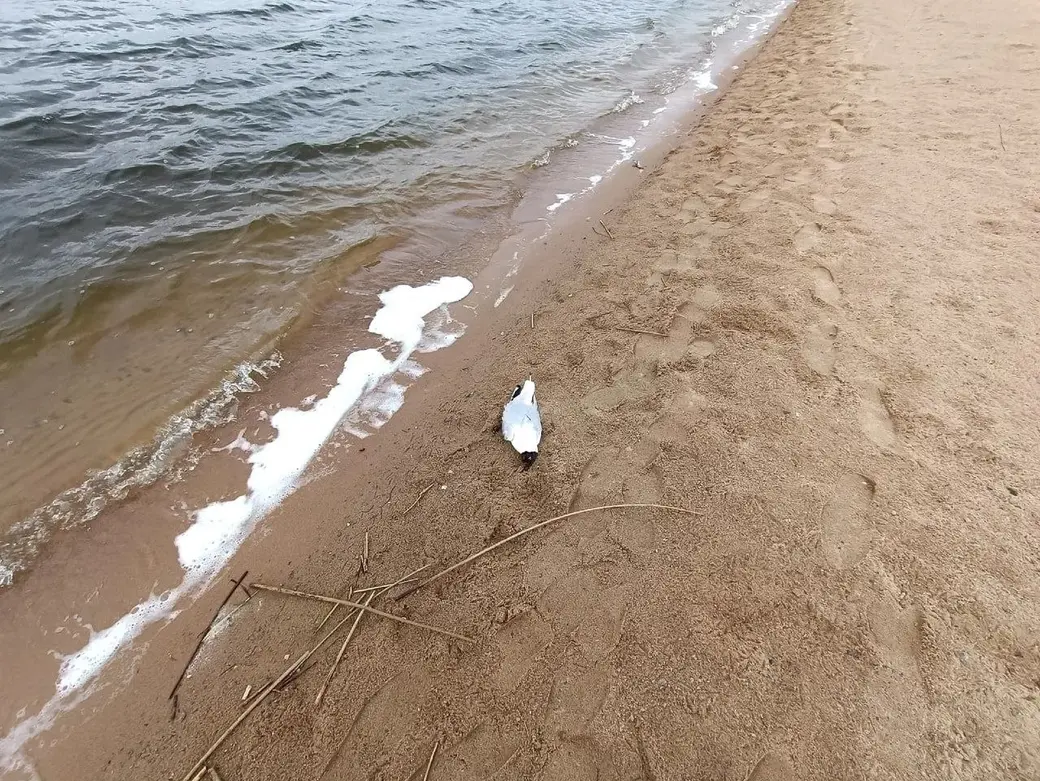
(838, 271)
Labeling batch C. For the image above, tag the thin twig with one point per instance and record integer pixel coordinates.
(233, 612)
(433, 755)
(597, 232)
(359, 606)
(418, 499)
(245, 694)
(328, 615)
(205, 633)
(199, 775)
(192, 774)
(532, 320)
(342, 649)
(609, 234)
(333, 609)
(1001, 131)
(366, 589)
(364, 556)
(640, 331)
(529, 529)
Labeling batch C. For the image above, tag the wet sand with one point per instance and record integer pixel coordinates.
(815, 326)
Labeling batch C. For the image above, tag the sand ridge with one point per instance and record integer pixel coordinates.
(816, 327)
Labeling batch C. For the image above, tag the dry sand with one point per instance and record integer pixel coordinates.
(841, 262)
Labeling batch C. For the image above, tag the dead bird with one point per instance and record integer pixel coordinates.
(521, 423)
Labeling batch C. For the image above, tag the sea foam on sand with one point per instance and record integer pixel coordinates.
(276, 467)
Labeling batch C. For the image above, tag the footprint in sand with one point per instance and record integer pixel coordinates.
(706, 226)
(520, 641)
(820, 351)
(874, 417)
(691, 207)
(755, 201)
(613, 475)
(799, 177)
(846, 531)
(824, 288)
(771, 768)
(807, 237)
(593, 617)
(626, 387)
(576, 699)
(705, 298)
(682, 262)
(730, 184)
(823, 205)
(677, 343)
(580, 760)
(680, 420)
(483, 753)
(394, 706)
(897, 634)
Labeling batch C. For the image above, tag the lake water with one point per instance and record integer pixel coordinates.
(182, 182)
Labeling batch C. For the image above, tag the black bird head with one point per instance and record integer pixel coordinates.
(528, 458)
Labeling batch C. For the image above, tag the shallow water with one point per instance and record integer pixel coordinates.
(182, 182)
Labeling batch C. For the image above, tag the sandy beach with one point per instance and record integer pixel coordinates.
(814, 325)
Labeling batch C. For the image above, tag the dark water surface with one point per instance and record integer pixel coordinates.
(179, 179)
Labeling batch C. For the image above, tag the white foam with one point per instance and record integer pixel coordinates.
(277, 466)
(80, 668)
(702, 79)
(595, 179)
(503, 295)
(561, 199)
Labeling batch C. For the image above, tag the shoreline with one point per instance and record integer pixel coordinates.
(378, 264)
(110, 620)
(810, 616)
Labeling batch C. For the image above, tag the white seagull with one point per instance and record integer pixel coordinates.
(521, 423)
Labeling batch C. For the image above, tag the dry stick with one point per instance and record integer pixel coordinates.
(372, 595)
(364, 556)
(429, 764)
(384, 586)
(328, 615)
(193, 774)
(234, 612)
(333, 609)
(1001, 131)
(409, 578)
(640, 331)
(342, 649)
(202, 637)
(199, 775)
(522, 532)
(418, 499)
(609, 234)
(359, 606)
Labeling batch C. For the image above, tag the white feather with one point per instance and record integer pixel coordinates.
(521, 423)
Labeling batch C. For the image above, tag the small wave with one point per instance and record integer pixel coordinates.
(299, 46)
(629, 100)
(372, 142)
(63, 125)
(544, 160)
(141, 467)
